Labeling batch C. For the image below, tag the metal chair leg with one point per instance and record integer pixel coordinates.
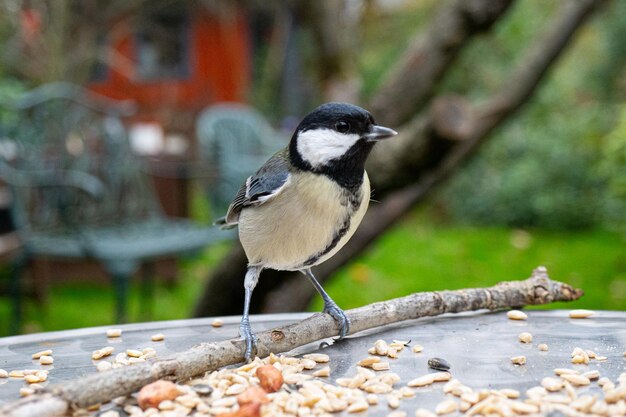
(15, 289)
(121, 272)
(147, 290)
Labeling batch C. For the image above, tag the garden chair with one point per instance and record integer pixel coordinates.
(236, 140)
(80, 193)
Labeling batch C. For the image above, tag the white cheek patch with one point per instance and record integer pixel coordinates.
(319, 146)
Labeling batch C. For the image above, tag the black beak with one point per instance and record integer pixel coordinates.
(377, 133)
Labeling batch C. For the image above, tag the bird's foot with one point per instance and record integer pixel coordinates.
(250, 338)
(340, 317)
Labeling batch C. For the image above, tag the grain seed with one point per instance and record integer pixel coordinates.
(397, 414)
(157, 337)
(576, 379)
(217, 323)
(16, 374)
(393, 401)
(542, 347)
(564, 371)
(372, 399)
(38, 355)
(317, 357)
(323, 372)
(580, 314)
(419, 348)
(518, 360)
(580, 359)
(525, 337)
(308, 363)
(101, 353)
(524, 408)
(31, 379)
(133, 353)
(235, 389)
(381, 347)
(516, 315)
(25, 392)
(3, 373)
(422, 412)
(583, 403)
(422, 381)
(46, 360)
(166, 405)
(510, 393)
(357, 407)
(392, 353)
(552, 384)
(114, 332)
(406, 392)
(104, 366)
(446, 407)
(369, 361)
(381, 366)
(595, 374)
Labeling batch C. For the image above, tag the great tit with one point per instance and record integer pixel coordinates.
(306, 201)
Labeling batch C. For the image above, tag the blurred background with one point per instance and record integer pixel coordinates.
(511, 153)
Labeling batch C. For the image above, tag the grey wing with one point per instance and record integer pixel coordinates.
(259, 188)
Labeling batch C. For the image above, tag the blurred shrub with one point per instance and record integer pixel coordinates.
(560, 163)
(537, 173)
(613, 168)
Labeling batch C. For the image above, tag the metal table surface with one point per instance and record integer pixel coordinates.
(478, 345)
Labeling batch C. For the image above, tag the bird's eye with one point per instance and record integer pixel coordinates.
(342, 126)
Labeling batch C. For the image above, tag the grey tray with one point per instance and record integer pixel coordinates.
(477, 345)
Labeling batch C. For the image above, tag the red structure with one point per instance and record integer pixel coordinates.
(176, 59)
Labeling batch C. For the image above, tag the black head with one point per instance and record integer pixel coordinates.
(335, 139)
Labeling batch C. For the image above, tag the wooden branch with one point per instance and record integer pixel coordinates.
(413, 80)
(105, 386)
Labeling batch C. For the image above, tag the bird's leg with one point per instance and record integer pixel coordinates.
(252, 277)
(330, 306)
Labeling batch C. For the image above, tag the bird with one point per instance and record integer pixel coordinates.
(303, 205)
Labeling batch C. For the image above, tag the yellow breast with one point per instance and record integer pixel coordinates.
(300, 223)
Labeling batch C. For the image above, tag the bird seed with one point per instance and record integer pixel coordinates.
(114, 332)
(516, 315)
(38, 355)
(518, 360)
(580, 314)
(438, 364)
(157, 337)
(46, 360)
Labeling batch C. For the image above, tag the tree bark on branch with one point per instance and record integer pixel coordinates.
(410, 83)
(105, 386)
(425, 153)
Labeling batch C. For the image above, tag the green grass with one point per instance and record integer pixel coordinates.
(417, 255)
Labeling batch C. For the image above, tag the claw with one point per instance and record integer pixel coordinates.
(250, 338)
(339, 316)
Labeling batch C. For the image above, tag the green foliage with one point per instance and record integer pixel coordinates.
(613, 168)
(543, 168)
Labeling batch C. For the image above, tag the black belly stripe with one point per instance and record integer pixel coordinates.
(353, 201)
(338, 235)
